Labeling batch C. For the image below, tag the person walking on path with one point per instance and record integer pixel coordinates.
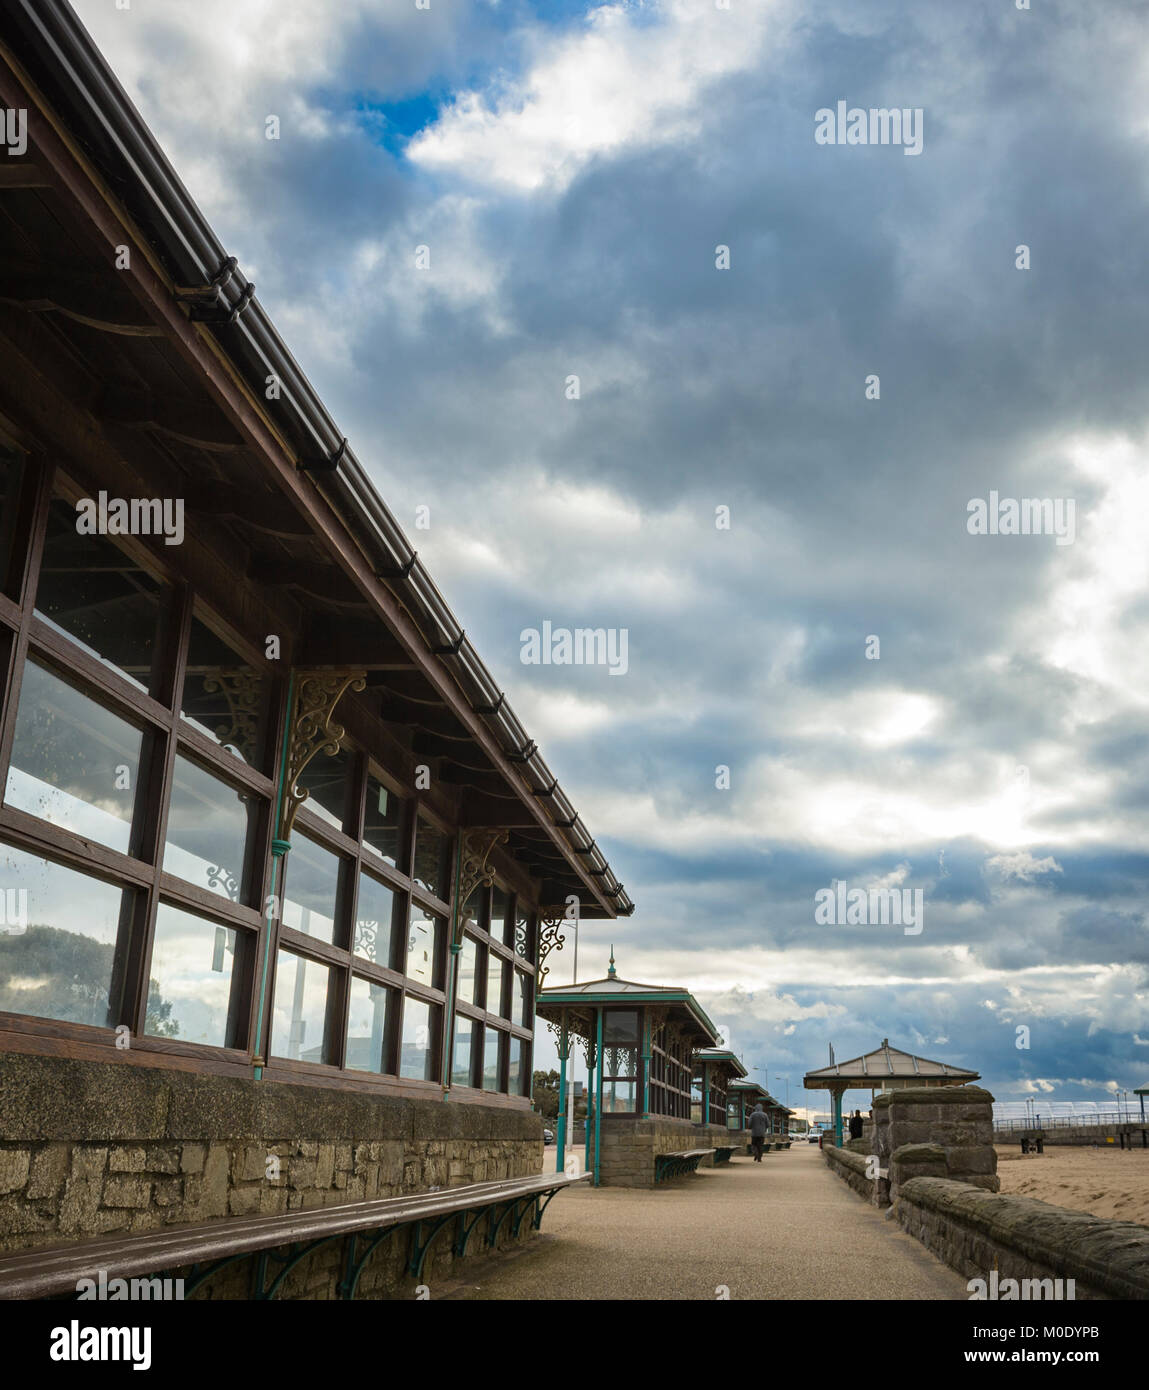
(856, 1125)
(758, 1124)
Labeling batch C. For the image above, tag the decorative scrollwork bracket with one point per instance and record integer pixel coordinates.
(313, 731)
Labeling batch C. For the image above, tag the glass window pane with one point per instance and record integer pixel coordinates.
(521, 1002)
(11, 471)
(58, 932)
(495, 972)
(424, 947)
(468, 968)
(432, 851)
(382, 821)
(224, 696)
(620, 1061)
(618, 1097)
(369, 1025)
(311, 889)
(620, 1025)
(299, 1023)
(208, 827)
(502, 923)
(74, 763)
(90, 590)
(327, 782)
(189, 991)
(516, 1067)
(420, 1022)
(491, 1045)
(463, 1056)
(374, 918)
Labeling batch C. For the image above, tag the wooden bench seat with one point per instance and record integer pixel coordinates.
(208, 1246)
(674, 1165)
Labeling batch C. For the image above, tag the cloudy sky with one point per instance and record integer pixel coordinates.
(573, 169)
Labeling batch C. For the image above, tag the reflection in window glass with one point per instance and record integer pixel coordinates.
(311, 889)
(521, 1002)
(620, 1025)
(523, 936)
(432, 851)
(327, 781)
(468, 968)
(58, 937)
(223, 695)
(92, 591)
(189, 992)
(463, 1057)
(11, 470)
(74, 763)
(299, 1024)
(426, 935)
(495, 969)
(374, 916)
(491, 1059)
(208, 825)
(420, 1021)
(502, 923)
(516, 1070)
(618, 1097)
(369, 1024)
(382, 821)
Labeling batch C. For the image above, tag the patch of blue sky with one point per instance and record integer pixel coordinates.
(393, 123)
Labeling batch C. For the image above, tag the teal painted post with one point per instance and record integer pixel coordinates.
(599, 1097)
(564, 1054)
(278, 849)
(644, 1108)
(838, 1118)
(591, 1117)
(706, 1094)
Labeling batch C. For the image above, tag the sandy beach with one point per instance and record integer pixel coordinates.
(1105, 1181)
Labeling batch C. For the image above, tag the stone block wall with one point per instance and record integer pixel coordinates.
(977, 1232)
(629, 1146)
(852, 1168)
(942, 1132)
(95, 1148)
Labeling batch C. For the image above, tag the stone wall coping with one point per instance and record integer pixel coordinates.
(1110, 1256)
(847, 1159)
(65, 1099)
(932, 1095)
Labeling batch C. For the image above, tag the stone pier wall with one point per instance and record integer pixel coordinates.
(936, 1132)
(983, 1234)
(95, 1148)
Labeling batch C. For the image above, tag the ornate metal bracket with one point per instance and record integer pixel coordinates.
(475, 872)
(313, 731)
(549, 940)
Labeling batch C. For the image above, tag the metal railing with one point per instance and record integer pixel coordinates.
(1101, 1118)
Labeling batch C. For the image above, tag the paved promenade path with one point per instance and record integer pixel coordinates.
(782, 1228)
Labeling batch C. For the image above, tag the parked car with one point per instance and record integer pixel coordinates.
(814, 1137)
(548, 1136)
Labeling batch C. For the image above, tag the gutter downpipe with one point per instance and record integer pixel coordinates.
(456, 947)
(279, 849)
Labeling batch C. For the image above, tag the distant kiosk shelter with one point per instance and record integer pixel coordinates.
(885, 1069)
(641, 1044)
(744, 1096)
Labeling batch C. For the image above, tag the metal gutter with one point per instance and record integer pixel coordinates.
(114, 136)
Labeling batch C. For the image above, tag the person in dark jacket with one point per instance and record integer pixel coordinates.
(856, 1125)
(758, 1127)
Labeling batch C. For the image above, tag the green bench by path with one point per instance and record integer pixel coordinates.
(674, 1165)
(282, 1240)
